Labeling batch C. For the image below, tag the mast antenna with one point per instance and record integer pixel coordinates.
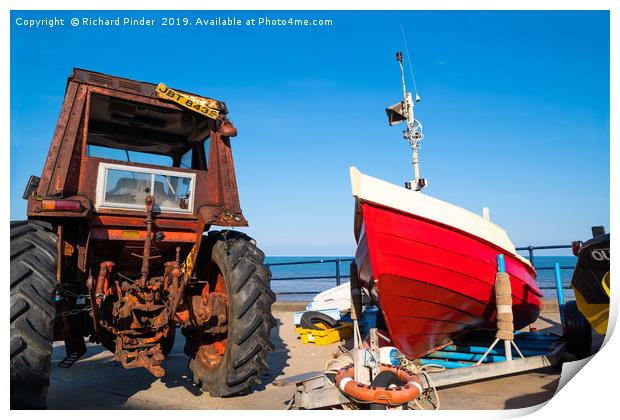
(409, 62)
(413, 133)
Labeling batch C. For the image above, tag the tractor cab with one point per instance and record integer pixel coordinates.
(119, 141)
(130, 160)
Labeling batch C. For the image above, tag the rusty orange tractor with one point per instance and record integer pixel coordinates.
(114, 248)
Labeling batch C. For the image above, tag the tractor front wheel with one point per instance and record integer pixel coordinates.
(33, 282)
(230, 363)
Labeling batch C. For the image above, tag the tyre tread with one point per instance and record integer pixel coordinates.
(251, 322)
(32, 285)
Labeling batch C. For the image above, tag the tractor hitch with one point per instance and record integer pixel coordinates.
(143, 309)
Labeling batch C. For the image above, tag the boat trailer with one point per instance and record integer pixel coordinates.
(470, 358)
(315, 390)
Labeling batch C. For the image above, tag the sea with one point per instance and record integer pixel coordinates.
(301, 278)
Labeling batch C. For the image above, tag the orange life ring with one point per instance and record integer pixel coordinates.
(380, 395)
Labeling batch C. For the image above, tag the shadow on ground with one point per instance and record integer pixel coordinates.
(530, 400)
(98, 382)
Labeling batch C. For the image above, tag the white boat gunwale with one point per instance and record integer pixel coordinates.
(374, 190)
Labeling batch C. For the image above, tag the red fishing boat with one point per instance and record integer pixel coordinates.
(430, 265)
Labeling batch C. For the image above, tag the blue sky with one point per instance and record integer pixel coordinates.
(515, 110)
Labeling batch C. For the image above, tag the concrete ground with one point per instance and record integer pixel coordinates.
(97, 382)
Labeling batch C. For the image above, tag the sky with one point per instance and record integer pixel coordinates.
(515, 109)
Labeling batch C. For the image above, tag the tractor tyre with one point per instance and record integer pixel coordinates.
(33, 284)
(577, 330)
(249, 318)
(310, 319)
(168, 341)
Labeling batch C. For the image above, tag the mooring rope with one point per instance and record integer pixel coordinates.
(423, 370)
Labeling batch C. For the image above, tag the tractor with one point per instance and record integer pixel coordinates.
(118, 246)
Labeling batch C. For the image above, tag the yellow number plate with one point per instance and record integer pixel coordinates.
(133, 234)
(194, 103)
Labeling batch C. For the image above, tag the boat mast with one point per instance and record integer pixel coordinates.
(413, 134)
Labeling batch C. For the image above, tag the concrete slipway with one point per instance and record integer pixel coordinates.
(97, 382)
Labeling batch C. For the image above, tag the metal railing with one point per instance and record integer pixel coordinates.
(555, 267)
(338, 276)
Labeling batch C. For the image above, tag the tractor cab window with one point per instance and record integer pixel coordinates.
(121, 186)
(130, 131)
(195, 157)
(186, 160)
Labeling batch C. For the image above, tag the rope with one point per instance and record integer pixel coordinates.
(503, 301)
(505, 326)
(336, 363)
(424, 370)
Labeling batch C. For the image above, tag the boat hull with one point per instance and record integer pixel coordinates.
(434, 281)
(590, 282)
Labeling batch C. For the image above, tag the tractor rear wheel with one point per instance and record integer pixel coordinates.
(33, 282)
(235, 358)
